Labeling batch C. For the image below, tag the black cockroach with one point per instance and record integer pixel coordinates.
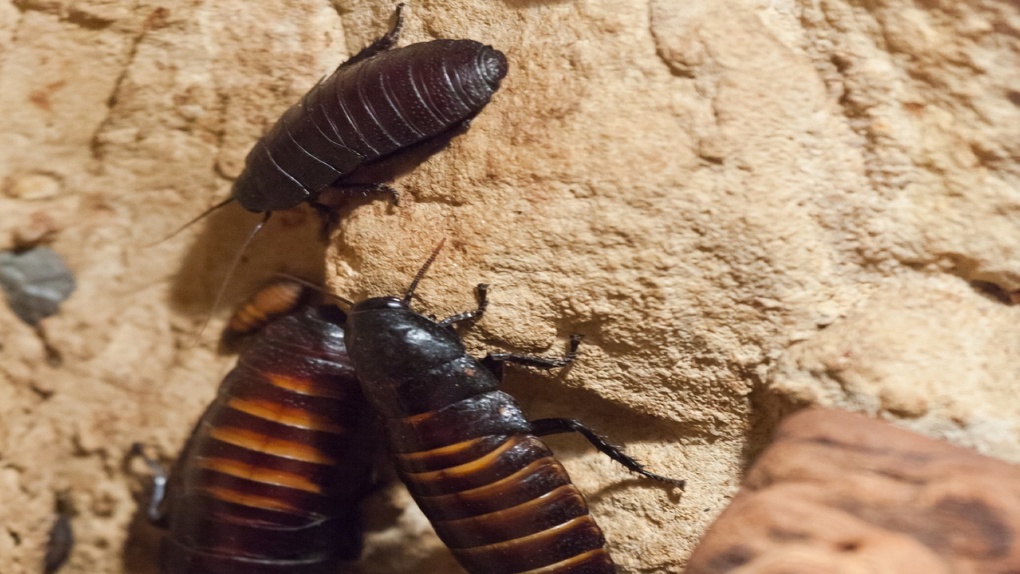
(270, 480)
(492, 490)
(376, 106)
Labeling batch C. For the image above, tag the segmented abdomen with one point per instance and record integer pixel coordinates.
(406, 95)
(500, 502)
(273, 300)
(364, 112)
(273, 473)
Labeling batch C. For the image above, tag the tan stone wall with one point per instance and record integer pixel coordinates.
(744, 207)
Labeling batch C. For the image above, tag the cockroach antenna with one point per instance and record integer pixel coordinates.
(193, 221)
(230, 273)
(421, 273)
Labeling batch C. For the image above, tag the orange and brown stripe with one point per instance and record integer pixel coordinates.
(276, 298)
(271, 447)
(274, 470)
(504, 505)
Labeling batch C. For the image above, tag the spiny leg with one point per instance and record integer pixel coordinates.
(537, 362)
(387, 41)
(482, 292)
(543, 427)
(328, 214)
(372, 190)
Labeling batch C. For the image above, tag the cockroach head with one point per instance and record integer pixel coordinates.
(492, 64)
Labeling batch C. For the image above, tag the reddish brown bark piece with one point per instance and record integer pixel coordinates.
(839, 492)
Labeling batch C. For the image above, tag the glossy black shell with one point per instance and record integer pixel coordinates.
(493, 491)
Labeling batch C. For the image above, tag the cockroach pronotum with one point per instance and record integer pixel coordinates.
(270, 480)
(492, 490)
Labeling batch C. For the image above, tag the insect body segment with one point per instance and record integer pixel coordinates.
(502, 503)
(273, 472)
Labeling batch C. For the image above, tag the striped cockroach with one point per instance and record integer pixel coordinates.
(271, 478)
(492, 490)
(381, 104)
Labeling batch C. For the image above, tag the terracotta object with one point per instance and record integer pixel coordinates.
(841, 492)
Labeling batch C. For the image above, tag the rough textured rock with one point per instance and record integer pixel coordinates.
(840, 492)
(740, 204)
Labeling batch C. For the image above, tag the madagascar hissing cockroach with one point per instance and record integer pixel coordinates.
(380, 103)
(492, 490)
(271, 478)
(378, 109)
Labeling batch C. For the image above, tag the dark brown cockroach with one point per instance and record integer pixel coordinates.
(379, 104)
(270, 480)
(492, 490)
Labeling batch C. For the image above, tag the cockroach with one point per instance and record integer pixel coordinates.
(380, 104)
(271, 478)
(472, 461)
(379, 109)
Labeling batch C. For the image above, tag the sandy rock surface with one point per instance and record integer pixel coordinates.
(840, 492)
(744, 206)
